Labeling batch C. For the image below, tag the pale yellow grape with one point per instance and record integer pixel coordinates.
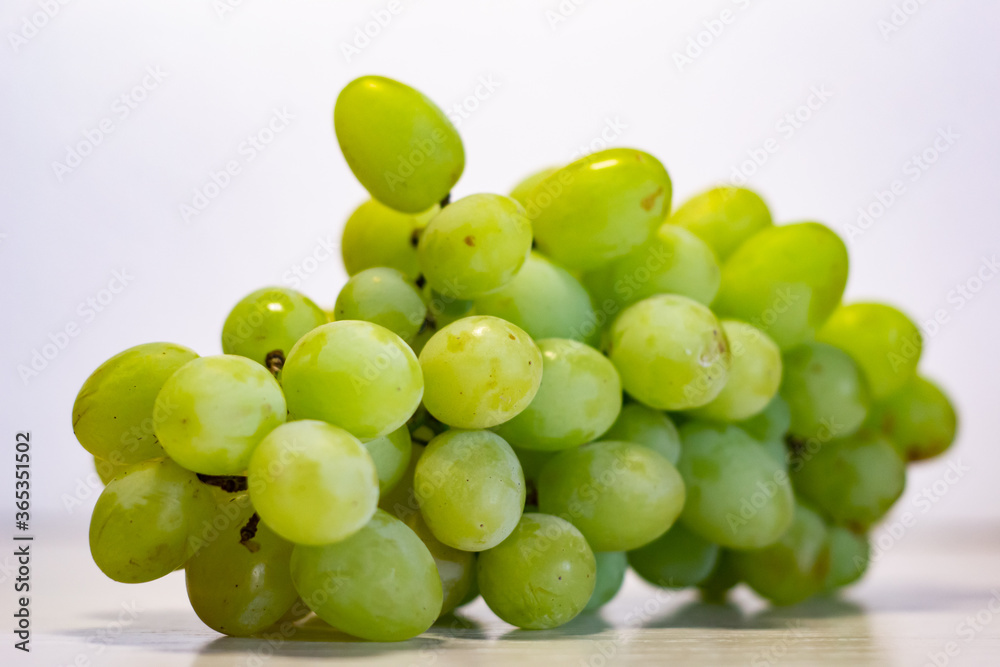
(385, 297)
(376, 235)
(456, 568)
(724, 217)
(269, 320)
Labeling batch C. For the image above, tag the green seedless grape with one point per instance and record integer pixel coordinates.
(456, 568)
(312, 482)
(523, 189)
(391, 454)
(825, 391)
(795, 567)
(475, 245)
(546, 301)
(611, 567)
(113, 416)
(884, 342)
(398, 143)
(376, 235)
(145, 521)
(724, 217)
(918, 419)
(541, 576)
(646, 426)
(215, 410)
(785, 280)
(401, 500)
(849, 557)
(600, 207)
(671, 352)
(619, 494)
(579, 399)
(379, 584)
(715, 588)
(269, 320)
(382, 296)
(854, 480)
(470, 489)
(754, 375)
(739, 496)
(673, 261)
(677, 559)
(357, 375)
(479, 372)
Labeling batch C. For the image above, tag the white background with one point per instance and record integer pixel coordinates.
(560, 83)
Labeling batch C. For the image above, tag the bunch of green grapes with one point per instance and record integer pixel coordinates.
(516, 398)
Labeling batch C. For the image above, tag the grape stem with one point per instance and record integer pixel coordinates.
(446, 200)
(275, 361)
(228, 483)
(248, 532)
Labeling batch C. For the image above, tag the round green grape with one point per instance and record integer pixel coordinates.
(825, 391)
(269, 320)
(646, 426)
(376, 235)
(849, 557)
(401, 500)
(382, 296)
(724, 217)
(611, 567)
(456, 568)
(918, 419)
(677, 559)
(522, 190)
(391, 454)
(715, 588)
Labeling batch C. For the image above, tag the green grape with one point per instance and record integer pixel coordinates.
(379, 584)
(113, 416)
(884, 342)
(671, 352)
(771, 423)
(239, 585)
(673, 261)
(107, 471)
(541, 576)
(724, 577)
(398, 143)
(599, 207)
(646, 426)
(795, 567)
(611, 567)
(455, 568)
(479, 372)
(532, 461)
(579, 399)
(144, 522)
(619, 494)
(918, 419)
(312, 482)
(391, 454)
(523, 189)
(443, 309)
(475, 245)
(777, 450)
(269, 320)
(401, 500)
(854, 480)
(849, 557)
(677, 559)
(825, 391)
(473, 592)
(546, 301)
(739, 496)
(754, 375)
(357, 375)
(382, 296)
(376, 235)
(214, 410)
(470, 489)
(785, 280)
(724, 217)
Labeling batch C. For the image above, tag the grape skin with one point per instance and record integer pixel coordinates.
(382, 296)
(724, 217)
(826, 392)
(918, 419)
(377, 236)
(645, 426)
(677, 559)
(269, 320)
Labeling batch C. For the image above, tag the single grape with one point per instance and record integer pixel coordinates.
(715, 588)
(673, 261)
(579, 399)
(382, 296)
(522, 190)
(357, 375)
(456, 568)
(754, 375)
(479, 372)
(825, 391)
(619, 494)
(677, 559)
(546, 301)
(795, 567)
(724, 217)
(312, 482)
(475, 245)
(671, 352)
(376, 235)
(470, 489)
(599, 207)
(379, 584)
(739, 496)
(215, 410)
(541, 576)
(145, 522)
(401, 500)
(611, 567)
(398, 143)
(918, 419)
(849, 557)
(646, 426)
(269, 320)
(391, 454)
(113, 416)
(785, 281)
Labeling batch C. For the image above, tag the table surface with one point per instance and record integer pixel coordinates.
(930, 599)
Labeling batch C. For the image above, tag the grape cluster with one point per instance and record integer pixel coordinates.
(517, 397)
